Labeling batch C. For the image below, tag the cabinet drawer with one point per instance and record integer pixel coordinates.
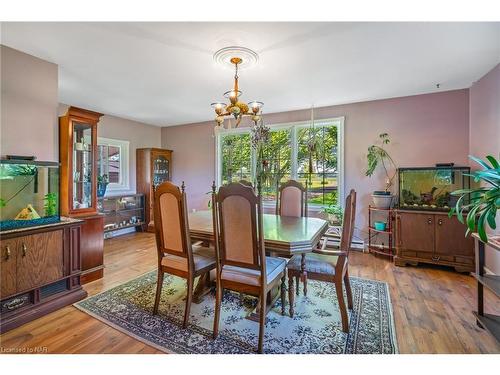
(408, 253)
(444, 258)
(17, 302)
(464, 260)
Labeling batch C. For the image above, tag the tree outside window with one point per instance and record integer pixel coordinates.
(288, 157)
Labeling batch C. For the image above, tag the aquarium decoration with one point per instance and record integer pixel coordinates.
(28, 189)
(50, 205)
(429, 188)
(27, 213)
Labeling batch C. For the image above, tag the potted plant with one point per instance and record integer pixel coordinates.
(260, 137)
(483, 202)
(335, 213)
(378, 155)
(102, 184)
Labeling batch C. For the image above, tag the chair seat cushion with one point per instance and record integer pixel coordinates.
(274, 268)
(202, 256)
(315, 263)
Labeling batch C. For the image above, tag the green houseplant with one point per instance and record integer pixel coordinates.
(335, 213)
(484, 201)
(378, 155)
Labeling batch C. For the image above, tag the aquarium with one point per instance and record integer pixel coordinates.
(29, 193)
(430, 188)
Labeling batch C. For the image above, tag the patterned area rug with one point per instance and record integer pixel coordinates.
(315, 327)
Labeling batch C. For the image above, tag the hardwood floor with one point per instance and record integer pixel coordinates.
(432, 307)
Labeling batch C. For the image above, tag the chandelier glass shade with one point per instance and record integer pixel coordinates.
(235, 108)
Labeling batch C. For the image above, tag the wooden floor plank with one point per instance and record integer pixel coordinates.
(432, 307)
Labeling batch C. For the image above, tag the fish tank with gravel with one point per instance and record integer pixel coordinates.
(29, 193)
(429, 188)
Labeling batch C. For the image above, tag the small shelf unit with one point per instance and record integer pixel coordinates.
(489, 322)
(389, 217)
(122, 212)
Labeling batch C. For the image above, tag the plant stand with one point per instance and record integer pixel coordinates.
(381, 250)
(489, 322)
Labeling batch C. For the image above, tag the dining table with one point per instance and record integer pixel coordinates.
(283, 236)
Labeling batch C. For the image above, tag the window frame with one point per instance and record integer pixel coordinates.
(124, 146)
(294, 126)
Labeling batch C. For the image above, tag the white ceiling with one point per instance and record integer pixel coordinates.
(163, 73)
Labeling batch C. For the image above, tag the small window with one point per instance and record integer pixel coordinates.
(113, 161)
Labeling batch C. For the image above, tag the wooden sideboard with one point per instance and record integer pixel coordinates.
(432, 237)
(40, 271)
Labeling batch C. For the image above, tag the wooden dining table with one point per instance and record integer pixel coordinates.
(283, 236)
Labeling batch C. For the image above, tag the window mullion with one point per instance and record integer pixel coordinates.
(253, 161)
(295, 148)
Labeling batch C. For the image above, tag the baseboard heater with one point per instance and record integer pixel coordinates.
(334, 243)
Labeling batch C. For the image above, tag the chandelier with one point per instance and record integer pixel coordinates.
(236, 57)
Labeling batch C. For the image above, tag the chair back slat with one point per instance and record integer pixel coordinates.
(239, 237)
(292, 199)
(348, 222)
(237, 222)
(171, 222)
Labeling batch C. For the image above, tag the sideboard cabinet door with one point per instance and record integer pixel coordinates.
(8, 267)
(451, 243)
(39, 259)
(416, 234)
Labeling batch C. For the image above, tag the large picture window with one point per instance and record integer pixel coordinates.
(290, 156)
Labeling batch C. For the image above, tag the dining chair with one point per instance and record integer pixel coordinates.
(242, 265)
(330, 266)
(176, 255)
(292, 199)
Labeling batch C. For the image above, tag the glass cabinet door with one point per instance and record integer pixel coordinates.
(82, 166)
(160, 170)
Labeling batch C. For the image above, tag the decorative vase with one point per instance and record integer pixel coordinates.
(101, 189)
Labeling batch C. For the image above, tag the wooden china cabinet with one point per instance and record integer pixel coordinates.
(78, 156)
(154, 166)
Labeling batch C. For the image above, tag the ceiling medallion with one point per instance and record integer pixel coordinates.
(248, 58)
(236, 57)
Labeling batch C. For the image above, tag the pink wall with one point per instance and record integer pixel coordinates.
(193, 159)
(425, 129)
(28, 106)
(485, 133)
